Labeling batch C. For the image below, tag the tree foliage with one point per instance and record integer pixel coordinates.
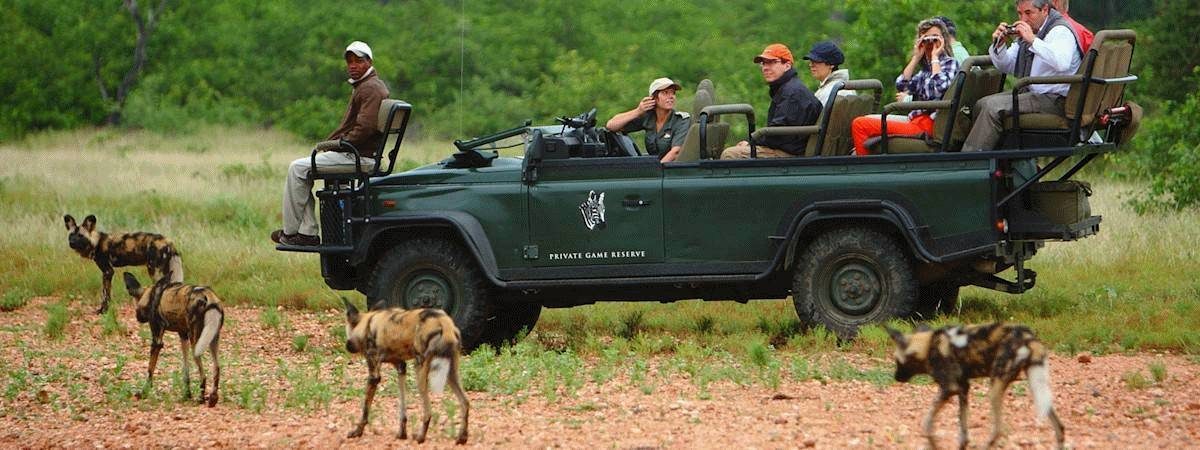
(468, 66)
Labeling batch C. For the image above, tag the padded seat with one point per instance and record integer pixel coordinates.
(837, 141)
(716, 131)
(1098, 86)
(976, 78)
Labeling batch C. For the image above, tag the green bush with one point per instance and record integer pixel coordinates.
(1168, 153)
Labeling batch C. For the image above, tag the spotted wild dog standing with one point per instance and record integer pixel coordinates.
(154, 251)
(192, 311)
(953, 355)
(395, 336)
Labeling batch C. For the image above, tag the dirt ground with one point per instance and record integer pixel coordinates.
(1093, 396)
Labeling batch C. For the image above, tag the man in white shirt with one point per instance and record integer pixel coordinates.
(1046, 47)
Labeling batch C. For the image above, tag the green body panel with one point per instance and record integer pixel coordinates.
(730, 215)
(683, 213)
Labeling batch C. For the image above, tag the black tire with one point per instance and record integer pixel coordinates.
(846, 278)
(508, 322)
(936, 298)
(435, 273)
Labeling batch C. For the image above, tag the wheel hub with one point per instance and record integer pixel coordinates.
(428, 291)
(855, 289)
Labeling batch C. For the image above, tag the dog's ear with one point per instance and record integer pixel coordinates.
(132, 286)
(69, 221)
(89, 222)
(351, 312)
(923, 327)
(897, 336)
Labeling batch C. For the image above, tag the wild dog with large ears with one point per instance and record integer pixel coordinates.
(152, 250)
(395, 336)
(953, 355)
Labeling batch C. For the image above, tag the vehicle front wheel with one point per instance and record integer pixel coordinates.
(435, 273)
(851, 277)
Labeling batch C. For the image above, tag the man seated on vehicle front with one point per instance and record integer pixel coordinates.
(792, 104)
(655, 114)
(358, 128)
(1046, 47)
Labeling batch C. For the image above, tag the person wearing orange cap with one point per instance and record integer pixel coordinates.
(655, 114)
(358, 128)
(792, 104)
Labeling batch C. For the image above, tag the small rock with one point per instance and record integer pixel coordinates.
(781, 396)
(1157, 392)
(809, 443)
(1193, 406)
(177, 417)
(781, 421)
(1084, 357)
(43, 396)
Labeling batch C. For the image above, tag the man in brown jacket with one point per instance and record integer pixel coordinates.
(358, 127)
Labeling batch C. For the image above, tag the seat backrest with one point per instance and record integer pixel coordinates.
(393, 122)
(837, 115)
(690, 150)
(979, 79)
(1110, 57)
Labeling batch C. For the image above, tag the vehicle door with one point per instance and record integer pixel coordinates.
(600, 212)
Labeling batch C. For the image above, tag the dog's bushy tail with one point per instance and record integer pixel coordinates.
(1039, 384)
(442, 350)
(175, 268)
(213, 319)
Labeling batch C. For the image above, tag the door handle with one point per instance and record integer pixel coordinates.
(632, 203)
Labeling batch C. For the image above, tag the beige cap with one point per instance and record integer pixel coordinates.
(663, 83)
(361, 49)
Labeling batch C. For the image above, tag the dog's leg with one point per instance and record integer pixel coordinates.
(963, 395)
(191, 351)
(372, 383)
(423, 390)
(106, 291)
(402, 369)
(156, 346)
(938, 403)
(212, 397)
(1058, 428)
(996, 396)
(185, 344)
(462, 399)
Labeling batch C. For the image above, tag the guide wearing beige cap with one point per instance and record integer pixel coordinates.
(655, 114)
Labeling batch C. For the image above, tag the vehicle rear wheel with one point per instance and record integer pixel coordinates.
(851, 277)
(936, 298)
(435, 273)
(509, 321)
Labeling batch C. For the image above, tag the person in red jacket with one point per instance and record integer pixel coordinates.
(1083, 36)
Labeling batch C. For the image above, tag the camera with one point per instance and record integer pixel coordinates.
(1010, 30)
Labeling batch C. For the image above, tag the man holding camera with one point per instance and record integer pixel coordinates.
(1046, 46)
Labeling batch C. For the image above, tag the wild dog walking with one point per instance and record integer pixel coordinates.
(154, 251)
(192, 311)
(395, 336)
(953, 355)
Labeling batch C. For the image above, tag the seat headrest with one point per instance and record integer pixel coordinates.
(403, 109)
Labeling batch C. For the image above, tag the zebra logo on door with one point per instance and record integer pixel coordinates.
(593, 211)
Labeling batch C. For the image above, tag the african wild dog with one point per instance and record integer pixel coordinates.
(953, 355)
(192, 311)
(395, 336)
(154, 251)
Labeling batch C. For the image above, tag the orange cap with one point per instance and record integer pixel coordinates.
(775, 51)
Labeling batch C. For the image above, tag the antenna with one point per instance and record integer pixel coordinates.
(462, 60)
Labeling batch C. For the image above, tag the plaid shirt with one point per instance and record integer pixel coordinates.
(926, 85)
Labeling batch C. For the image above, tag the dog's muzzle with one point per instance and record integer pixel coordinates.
(78, 242)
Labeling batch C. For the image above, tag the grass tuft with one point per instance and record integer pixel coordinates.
(57, 317)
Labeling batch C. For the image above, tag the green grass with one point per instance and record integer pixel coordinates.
(57, 317)
(1128, 288)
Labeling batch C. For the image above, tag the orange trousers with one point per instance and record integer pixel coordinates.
(863, 128)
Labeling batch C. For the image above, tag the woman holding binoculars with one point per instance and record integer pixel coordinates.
(929, 72)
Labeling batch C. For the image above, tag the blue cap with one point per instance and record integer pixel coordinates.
(826, 52)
